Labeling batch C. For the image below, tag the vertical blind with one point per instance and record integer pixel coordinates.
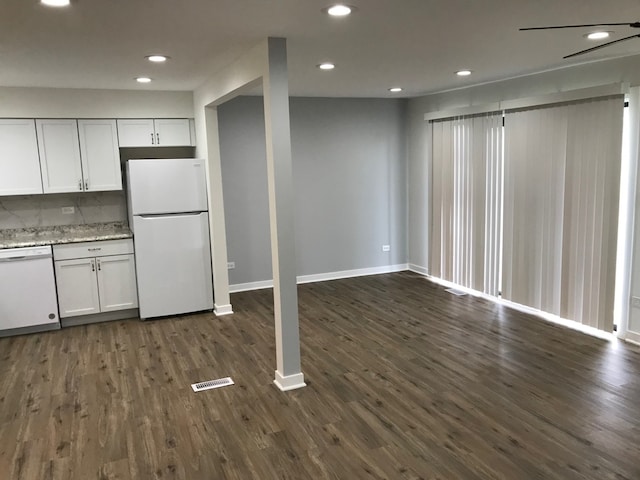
(534, 177)
(466, 193)
(543, 218)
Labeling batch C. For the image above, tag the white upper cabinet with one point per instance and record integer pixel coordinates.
(137, 132)
(172, 132)
(164, 132)
(59, 156)
(79, 156)
(19, 161)
(100, 155)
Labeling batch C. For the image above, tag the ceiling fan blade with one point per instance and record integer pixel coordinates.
(633, 25)
(597, 47)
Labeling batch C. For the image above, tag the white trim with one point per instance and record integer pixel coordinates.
(527, 102)
(220, 310)
(361, 272)
(290, 382)
(470, 291)
(594, 332)
(631, 337)
(562, 97)
(524, 75)
(458, 112)
(245, 287)
(322, 277)
(418, 269)
(572, 324)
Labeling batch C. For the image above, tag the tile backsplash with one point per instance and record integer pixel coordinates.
(28, 211)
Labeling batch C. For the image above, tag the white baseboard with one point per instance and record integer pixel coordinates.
(549, 317)
(245, 287)
(220, 310)
(290, 382)
(322, 277)
(361, 272)
(572, 324)
(631, 337)
(418, 269)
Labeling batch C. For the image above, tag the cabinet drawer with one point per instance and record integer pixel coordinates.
(93, 249)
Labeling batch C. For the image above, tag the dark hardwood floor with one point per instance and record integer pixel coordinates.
(405, 381)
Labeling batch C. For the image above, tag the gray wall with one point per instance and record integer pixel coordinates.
(350, 174)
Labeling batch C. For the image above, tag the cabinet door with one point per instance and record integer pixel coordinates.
(117, 282)
(172, 132)
(77, 287)
(100, 155)
(136, 133)
(59, 156)
(19, 161)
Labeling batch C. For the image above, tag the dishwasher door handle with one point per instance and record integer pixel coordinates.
(23, 258)
(12, 259)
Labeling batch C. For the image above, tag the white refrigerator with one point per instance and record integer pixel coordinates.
(168, 215)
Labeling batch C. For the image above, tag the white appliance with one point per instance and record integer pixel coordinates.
(28, 301)
(170, 223)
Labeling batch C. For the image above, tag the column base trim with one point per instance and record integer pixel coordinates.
(220, 310)
(290, 382)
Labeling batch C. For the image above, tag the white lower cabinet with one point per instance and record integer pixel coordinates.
(117, 282)
(77, 287)
(95, 277)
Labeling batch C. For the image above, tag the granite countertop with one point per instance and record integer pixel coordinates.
(34, 237)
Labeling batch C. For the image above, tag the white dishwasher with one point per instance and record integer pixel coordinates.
(28, 301)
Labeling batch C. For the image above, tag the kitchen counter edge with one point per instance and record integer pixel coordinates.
(63, 237)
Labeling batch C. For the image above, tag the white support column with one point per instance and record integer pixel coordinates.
(222, 303)
(288, 375)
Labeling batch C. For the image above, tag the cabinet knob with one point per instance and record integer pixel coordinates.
(99, 267)
(153, 142)
(157, 138)
(80, 184)
(86, 184)
(93, 266)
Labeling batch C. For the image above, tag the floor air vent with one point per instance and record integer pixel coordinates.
(208, 385)
(459, 293)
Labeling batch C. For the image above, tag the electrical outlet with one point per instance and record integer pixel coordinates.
(231, 265)
(386, 248)
(635, 302)
(68, 210)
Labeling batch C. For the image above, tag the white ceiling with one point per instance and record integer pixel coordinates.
(417, 44)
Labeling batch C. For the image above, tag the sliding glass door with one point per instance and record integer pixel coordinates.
(539, 224)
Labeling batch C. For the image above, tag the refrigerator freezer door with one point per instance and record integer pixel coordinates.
(173, 264)
(166, 186)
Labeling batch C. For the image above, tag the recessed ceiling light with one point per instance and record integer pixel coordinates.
(55, 3)
(157, 58)
(143, 80)
(463, 73)
(597, 35)
(339, 10)
(326, 66)
(395, 89)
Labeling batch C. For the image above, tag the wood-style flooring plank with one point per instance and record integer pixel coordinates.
(405, 381)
